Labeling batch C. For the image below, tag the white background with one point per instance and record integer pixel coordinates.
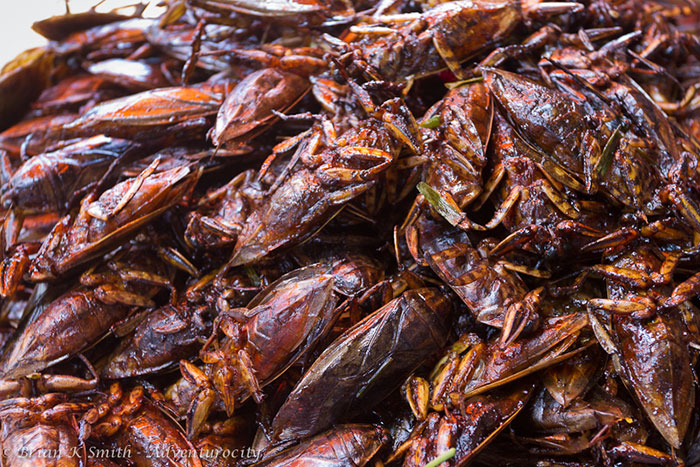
(17, 16)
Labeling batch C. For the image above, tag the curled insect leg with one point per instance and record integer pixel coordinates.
(201, 405)
(518, 239)
(686, 290)
(505, 207)
(520, 316)
(686, 206)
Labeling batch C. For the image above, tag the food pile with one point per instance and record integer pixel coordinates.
(353, 232)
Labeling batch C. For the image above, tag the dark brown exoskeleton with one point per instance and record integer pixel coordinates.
(72, 94)
(570, 146)
(103, 223)
(491, 288)
(362, 366)
(50, 182)
(221, 214)
(80, 317)
(59, 27)
(179, 41)
(473, 367)
(117, 39)
(217, 441)
(327, 171)
(564, 430)
(652, 153)
(21, 81)
(278, 326)
(573, 377)
(250, 107)
(166, 115)
(41, 431)
(131, 421)
(473, 423)
(419, 44)
(600, 155)
(673, 183)
(457, 140)
(645, 332)
(164, 337)
(676, 153)
(311, 12)
(542, 214)
(539, 204)
(341, 446)
(160, 338)
(34, 136)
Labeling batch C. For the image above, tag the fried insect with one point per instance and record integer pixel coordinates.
(304, 11)
(649, 349)
(130, 421)
(442, 36)
(344, 445)
(361, 367)
(475, 422)
(468, 370)
(250, 106)
(474, 239)
(104, 223)
(21, 81)
(221, 215)
(328, 171)
(43, 429)
(462, 123)
(179, 113)
(492, 291)
(51, 182)
(596, 154)
(277, 328)
(164, 337)
(77, 319)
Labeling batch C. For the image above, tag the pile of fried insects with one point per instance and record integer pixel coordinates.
(353, 232)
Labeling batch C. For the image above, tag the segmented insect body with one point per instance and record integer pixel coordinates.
(42, 429)
(329, 173)
(344, 445)
(487, 287)
(647, 344)
(467, 430)
(362, 366)
(249, 107)
(103, 223)
(442, 36)
(457, 152)
(80, 317)
(49, 182)
(132, 422)
(277, 328)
